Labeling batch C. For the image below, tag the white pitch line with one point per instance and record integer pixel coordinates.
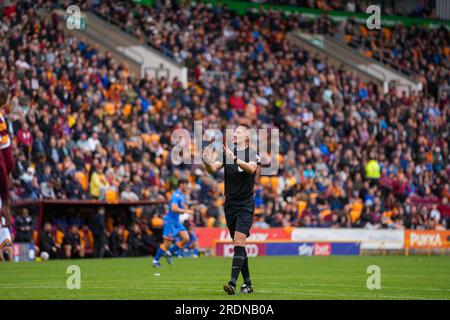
(362, 287)
(371, 297)
(274, 283)
(126, 282)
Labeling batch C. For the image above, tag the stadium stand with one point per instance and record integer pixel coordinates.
(255, 32)
(416, 51)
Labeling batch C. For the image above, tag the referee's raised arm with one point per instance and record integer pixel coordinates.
(249, 167)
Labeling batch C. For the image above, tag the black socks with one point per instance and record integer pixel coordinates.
(240, 264)
(245, 272)
(238, 261)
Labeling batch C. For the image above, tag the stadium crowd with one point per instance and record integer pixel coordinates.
(84, 127)
(418, 51)
(312, 102)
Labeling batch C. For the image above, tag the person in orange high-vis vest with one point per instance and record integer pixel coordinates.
(6, 158)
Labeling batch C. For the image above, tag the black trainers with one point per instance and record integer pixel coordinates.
(246, 288)
(229, 288)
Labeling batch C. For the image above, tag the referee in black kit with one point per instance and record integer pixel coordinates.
(241, 167)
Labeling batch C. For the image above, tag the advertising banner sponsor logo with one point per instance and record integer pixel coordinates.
(305, 249)
(370, 239)
(276, 248)
(24, 252)
(427, 239)
(252, 249)
(207, 236)
(289, 249)
(322, 249)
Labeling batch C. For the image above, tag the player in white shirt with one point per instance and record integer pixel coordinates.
(5, 239)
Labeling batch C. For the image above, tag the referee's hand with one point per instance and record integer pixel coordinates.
(228, 153)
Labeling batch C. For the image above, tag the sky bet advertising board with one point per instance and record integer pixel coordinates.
(276, 248)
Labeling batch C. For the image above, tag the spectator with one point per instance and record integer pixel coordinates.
(72, 245)
(97, 226)
(47, 243)
(136, 246)
(24, 227)
(118, 244)
(25, 140)
(99, 184)
(261, 222)
(128, 195)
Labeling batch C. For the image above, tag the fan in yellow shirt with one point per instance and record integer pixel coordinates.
(99, 184)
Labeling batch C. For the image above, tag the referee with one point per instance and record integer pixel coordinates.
(241, 167)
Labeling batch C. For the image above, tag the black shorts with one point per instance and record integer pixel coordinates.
(239, 216)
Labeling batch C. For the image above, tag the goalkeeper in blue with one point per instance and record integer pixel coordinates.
(173, 227)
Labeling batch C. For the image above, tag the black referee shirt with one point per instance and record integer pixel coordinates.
(238, 183)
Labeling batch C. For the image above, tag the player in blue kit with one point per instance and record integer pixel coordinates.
(172, 226)
(191, 247)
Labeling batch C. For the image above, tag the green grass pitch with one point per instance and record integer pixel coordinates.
(202, 278)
